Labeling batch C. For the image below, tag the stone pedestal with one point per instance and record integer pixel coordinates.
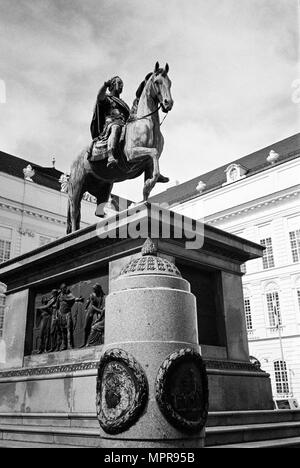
(152, 317)
(66, 381)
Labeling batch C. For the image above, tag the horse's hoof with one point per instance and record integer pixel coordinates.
(163, 180)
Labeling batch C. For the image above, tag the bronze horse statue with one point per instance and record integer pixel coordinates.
(139, 151)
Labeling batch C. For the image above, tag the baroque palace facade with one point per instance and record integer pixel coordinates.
(33, 207)
(257, 197)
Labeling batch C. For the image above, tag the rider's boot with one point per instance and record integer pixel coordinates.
(112, 146)
(90, 150)
(112, 161)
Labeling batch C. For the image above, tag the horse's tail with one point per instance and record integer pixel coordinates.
(74, 186)
(69, 221)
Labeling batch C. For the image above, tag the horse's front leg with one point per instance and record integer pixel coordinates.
(138, 153)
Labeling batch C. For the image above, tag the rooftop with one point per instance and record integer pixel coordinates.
(46, 176)
(256, 162)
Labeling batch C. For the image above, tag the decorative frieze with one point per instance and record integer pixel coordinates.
(49, 370)
(93, 365)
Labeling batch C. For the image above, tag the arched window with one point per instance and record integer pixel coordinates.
(281, 378)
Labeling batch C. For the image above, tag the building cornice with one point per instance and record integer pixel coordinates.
(260, 172)
(87, 198)
(256, 205)
(29, 211)
(272, 274)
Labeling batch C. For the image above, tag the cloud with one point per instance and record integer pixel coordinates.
(231, 63)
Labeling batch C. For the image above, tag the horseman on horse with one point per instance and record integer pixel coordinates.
(130, 141)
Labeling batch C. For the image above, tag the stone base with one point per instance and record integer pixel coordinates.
(240, 391)
(66, 382)
(50, 383)
(154, 444)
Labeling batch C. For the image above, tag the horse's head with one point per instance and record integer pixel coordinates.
(161, 87)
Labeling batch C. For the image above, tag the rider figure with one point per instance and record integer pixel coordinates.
(110, 115)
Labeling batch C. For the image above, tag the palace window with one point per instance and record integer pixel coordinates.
(248, 315)
(298, 297)
(2, 310)
(281, 378)
(5, 244)
(273, 306)
(295, 244)
(268, 257)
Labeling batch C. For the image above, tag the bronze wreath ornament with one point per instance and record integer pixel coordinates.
(182, 390)
(122, 391)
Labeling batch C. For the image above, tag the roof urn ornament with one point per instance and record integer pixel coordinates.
(28, 172)
(201, 186)
(273, 157)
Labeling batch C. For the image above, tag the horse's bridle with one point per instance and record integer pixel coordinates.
(151, 113)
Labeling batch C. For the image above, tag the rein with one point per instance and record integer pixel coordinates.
(145, 116)
(163, 119)
(148, 115)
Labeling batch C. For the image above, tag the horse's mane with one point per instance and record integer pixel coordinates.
(140, 90)
(142, 86)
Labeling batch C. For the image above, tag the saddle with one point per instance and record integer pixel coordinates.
(99, 151)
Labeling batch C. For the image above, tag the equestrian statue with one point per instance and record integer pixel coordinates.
(125, 143)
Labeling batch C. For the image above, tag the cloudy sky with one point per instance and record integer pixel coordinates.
(232, 64)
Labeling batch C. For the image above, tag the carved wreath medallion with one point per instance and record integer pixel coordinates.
(182, 390)
(122, 391)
